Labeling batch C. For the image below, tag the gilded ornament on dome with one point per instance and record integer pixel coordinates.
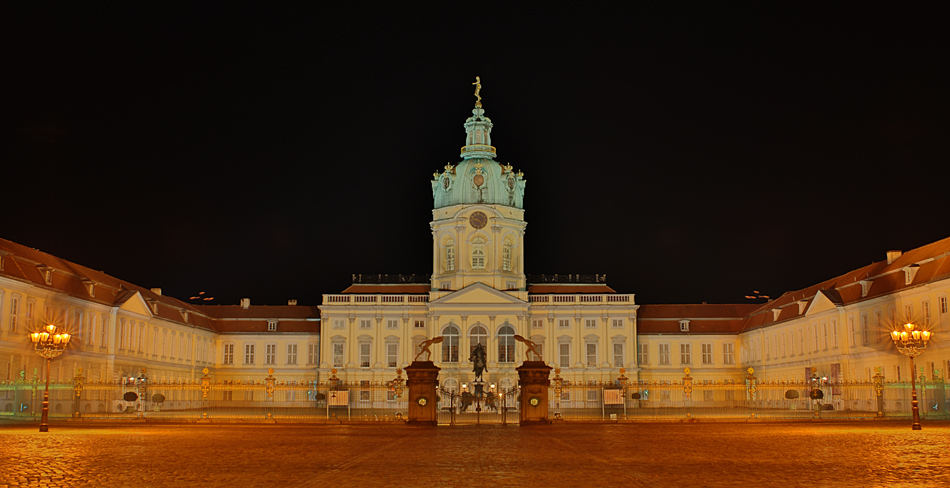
(478, 90)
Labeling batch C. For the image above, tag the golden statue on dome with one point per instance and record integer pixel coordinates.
(478, 90)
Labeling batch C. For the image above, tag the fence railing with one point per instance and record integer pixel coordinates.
(378, 402)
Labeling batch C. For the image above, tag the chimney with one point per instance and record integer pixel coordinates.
(157, 291)
(292, 301)
(245, 303)
(892, 256)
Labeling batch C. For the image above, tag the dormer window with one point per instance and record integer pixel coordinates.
(47, 273)
(684, 325)
(910, 272)
(272, 325)
(90, 286)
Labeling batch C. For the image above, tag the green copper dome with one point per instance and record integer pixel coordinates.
(478, 178)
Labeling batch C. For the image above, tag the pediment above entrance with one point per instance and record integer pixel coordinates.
(480, 294)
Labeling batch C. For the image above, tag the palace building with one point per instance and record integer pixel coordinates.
(478, 292)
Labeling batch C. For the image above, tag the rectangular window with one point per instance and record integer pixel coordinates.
(450, 258)
(926, 308)
(728, 354)
(908, 311)
(834, 334)
(664, 354)
(537, 324)
(337, 354)
(865, 331)
(229, 354)
(291, 354)
(590, 323)
(591, 355)
(364, 354)
(685, 357)
(392, 324)
(707, 354)
(248, 353)
(642, 356)
(392, 354)
(420, 324)
(564, 354)
(563, 323)
(943, 307)
(617, 323)
(14, 312)
(312, 353)
(365, 324)
(618, 354)
(270, 354)
(338, 323)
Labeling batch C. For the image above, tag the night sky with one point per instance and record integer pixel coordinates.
(271, 154)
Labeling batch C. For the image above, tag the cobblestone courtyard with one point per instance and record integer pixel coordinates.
(701, 454)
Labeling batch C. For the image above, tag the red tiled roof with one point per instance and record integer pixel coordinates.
(934, 264)
(260, 326)
(260, 311)
(695, 310)
(395, 289)
(696, 326)
(572, 288)
(24, 263)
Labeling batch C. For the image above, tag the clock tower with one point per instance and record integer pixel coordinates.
(478, 216)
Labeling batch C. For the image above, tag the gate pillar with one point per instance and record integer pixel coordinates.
(422, 379)
(534, 382)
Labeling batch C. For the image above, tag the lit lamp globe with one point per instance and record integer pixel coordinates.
(48, 343)
(911, 342)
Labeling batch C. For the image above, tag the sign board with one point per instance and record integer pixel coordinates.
(338, 398)
(613, 397)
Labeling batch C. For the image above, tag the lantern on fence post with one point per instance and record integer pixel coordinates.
(879, 391)
(751, 388)
(269, 383)
(77, 390)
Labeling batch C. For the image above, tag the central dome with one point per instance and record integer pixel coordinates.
(478, 178)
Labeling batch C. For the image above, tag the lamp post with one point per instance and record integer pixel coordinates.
(911, 342)
(49, 343)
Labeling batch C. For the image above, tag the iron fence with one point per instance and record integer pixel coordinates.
(205, 400)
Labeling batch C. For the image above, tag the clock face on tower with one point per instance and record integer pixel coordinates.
(478, 220)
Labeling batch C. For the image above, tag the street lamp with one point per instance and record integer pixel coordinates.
(911, 342)
(49, 343)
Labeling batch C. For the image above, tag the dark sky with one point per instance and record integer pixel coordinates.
(272, 153)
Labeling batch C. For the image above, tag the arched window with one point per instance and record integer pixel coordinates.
(450, 344)
(450, 256)
(506, 256)
(478, 254)
(478, 335)
(506, 344)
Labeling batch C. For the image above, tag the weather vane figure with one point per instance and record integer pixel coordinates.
(478, 90)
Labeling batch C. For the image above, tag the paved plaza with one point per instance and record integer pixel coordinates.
(655, 454)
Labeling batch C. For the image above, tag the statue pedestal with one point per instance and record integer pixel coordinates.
(534, 382)
(422, 380)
